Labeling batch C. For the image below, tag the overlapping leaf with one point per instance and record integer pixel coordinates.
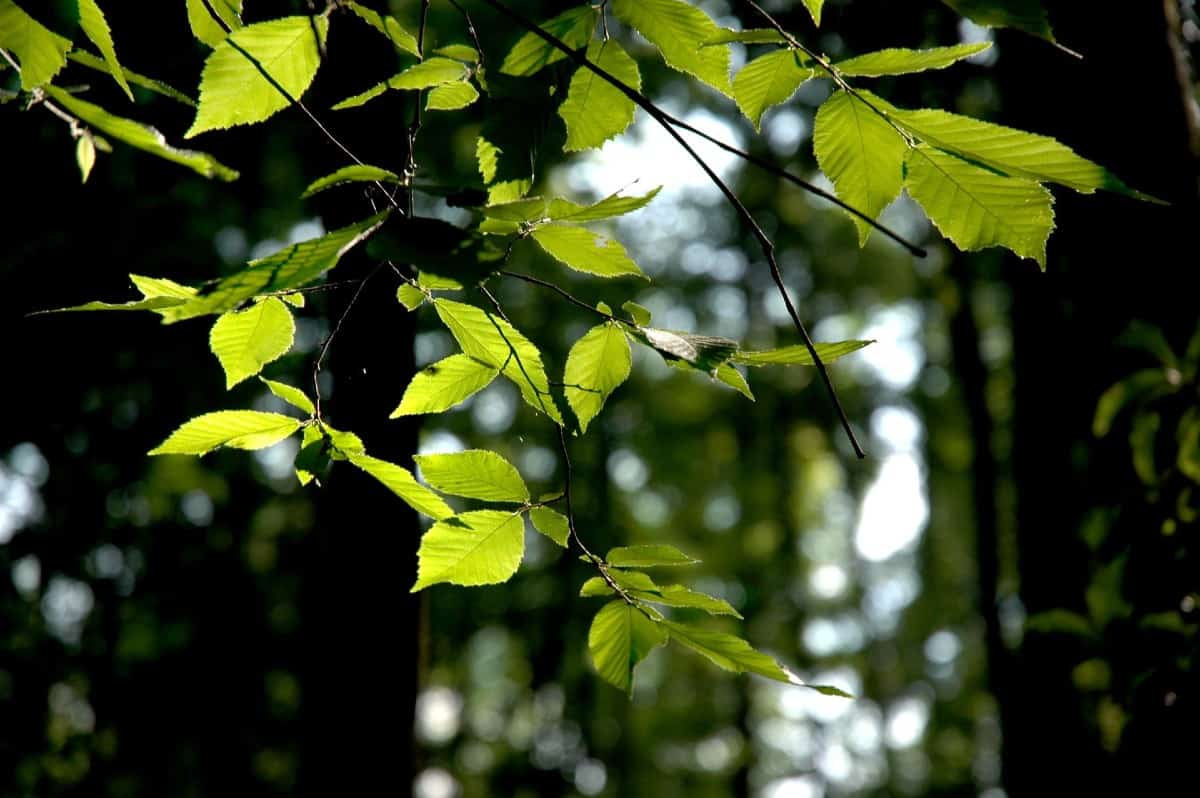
(207, 29)
(482, 547)
(596, 365)
(903, 61)
(426, 74)
(620, 637)
(442, 385)
(769, 80)
(400, 481)
(389, 27)
(129, 76)
(531, 52)
(40, 51)
(595, 110)
(475, 474)
(678, 29)
(585, 250)
(237, 429)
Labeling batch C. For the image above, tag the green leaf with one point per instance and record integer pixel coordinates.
(586, 251)
(597, 364)
(411, 297)
(161, 287)
(704, 352)
(677, 29)
(40, 51)
(290, 394)
(640, 315)
(207, 29)
(459, 52)
(400, 481)
(729, 652)
(475, 474)
(356, 173)
(727, 374)
(647, 556)
(862, 154)
(95, 27)
(903, 61)
(595, 586)
(573, 27)
(85, 155)
(1060, 620)
(620, 637)
(442, 385)
(428, 73)
(595, 110)
(291, 267)
(814, 8)
(237, 429)
(400, 38)
(233, 90)
(798, 354)
(1137, 387)
(157, 86)
(769, 80)
(451, 96)
(685, 598)
(551, 523)
(1143, 435)
(630, 580)
(135, 134)
(748, 36)
(246, 340)
(506, 153)
(482, 547)
(613, 205)
(1024, 15)
(494, 341)
(977, 208)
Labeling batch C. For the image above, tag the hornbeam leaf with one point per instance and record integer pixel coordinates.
(411, 297)
(678, 29)
(595, 110)
(612, 205)
(95, 27)
(40, 51)
(903, 61)
(207, 29)
(798, 355)
(748, 36)
(246, 340)
(596, 366)
(551, 523)
(494, 341)
(727, 374)
(459, 52)
(862, 154)
(290, 394)
(143, 137)
(291, 267)
(814, 8)
(157, 86)
(482, 547)
(355, 173)
(400, 481)
(389, 27)
(475, 474)
(573, 27)
(647, 556)
(977, 208)
(620, 637)
(729, 652)
(233, 89)
(680, 596)
(704, 352)
(586, 251)
(428, 73)
(769, 80)
(451, 96)
(442, 385)
(237, 429)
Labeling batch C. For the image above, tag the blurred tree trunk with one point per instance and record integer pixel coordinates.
(1111, 261)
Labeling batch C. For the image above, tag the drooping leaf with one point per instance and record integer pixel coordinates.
(977, 208)
(426, 74)
(648, 555)
(551, 523)
(748, 36)
(729, 652)
(459, 52)
(400, 481)
(237, 429)
(620, 637)
(157, 86)
(85, 155)
(207, 29)
(356, 173)
(640, 315)
(685, 598)
(411, 297)
(475, 474)
(595, 110)
(703, 352)
(1137, 387)
(903, 61)
(597, 364)
(730, 376)
(798, 354)
(585, 250)
(291, 267)
(505, 153)
(135, 134)
(769, 80)
(233, 89)
(573, 27)
(389, 27)
(290, 394)
(246, 340)
(451, 96)
(482, 547)
(678, 29)
(862, 154)
(1024, 15)
(95, 27)
(814, 8)
(442, 385)
(40, 51)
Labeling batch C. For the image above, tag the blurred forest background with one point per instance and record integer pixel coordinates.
(1012, 600)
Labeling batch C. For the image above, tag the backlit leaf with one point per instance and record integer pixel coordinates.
(620, 637)
(551, 523)
(647, 556)
(156, 86)
(237, 429)
(389, 27)
(207, 29)
(798, 354)
(596, 365)
(769, 80)
(482, 547)
(40, 51)
(356, 173)
(426, 74)
(451, 96)
(595, 110)
(678, 29)
(290, 394)
(95, 27)
(585, 250)
(400, 481)
(573, 27)
(475, 474)
(903, 61)
(246, 340)
(442, 385)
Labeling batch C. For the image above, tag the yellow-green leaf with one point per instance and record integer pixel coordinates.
(400, 38)
(586, 251)
(207, 29)
(531, 52)
(483, 547)
(678, 29)
(290, 394)
(442, 385)
(95, 27)
(451, 96)
(595, 110)
(769, 80)
(475, 474)
(596, 366)
(355, 173)
(621, 636)
(551, 523)
(426, 74)
(400, 481)
(903, 61)
(246, 340)
(40, 51)
(237, 429)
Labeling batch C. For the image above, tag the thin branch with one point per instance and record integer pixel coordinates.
(768, 248)
(563, 293)
(316, 372)
(470, 29)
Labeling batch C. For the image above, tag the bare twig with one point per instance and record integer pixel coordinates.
(316, 371)
(470, 29)
(563, 293)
